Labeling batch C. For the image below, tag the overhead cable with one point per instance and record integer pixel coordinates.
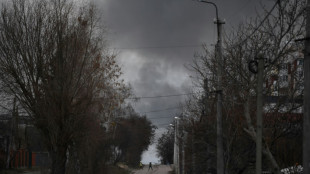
(161, 110)
(261, 23)
(154, 118)
(159, 96)
(158, 47)
(152, 111)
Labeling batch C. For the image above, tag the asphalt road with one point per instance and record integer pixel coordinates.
(158, 169)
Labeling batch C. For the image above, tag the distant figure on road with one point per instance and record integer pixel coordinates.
(141, 165)
(150, 166)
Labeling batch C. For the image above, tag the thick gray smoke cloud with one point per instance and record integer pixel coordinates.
(156, 38)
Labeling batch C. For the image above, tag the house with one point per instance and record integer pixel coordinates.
(21, 142)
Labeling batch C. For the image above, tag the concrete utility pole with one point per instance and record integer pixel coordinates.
(219, 120)
(176, 147)
(193, 152)
(259, 115)
(306, 121)
(184, 138)
(183, 157)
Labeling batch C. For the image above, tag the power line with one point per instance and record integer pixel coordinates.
(152, 111)
(154, 118)
(261, 23)
(159, 96)
(163, 124)
(158, 47)
(172, 108)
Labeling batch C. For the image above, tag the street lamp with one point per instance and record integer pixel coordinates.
(218, 20)
(219, 122)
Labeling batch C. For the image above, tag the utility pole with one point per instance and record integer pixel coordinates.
(219, 119)
(193, 150)
(205, 112)
(306, 121)
(176, 147)
(259, 114)
(184, 139)
(183, 157)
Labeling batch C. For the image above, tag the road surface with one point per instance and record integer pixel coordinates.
(157, 169)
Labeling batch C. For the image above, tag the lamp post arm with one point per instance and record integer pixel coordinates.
(216, 11)
(217, 16)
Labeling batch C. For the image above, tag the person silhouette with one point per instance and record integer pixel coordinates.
(141, 165)
(150, 166)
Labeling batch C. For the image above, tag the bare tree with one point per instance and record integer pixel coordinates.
(164, 147)
(271, 35)
(52, 58)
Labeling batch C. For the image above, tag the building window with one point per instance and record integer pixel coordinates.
(283, 66)
(299, 74)
(300, 62)
(299, 86)
(283, 78)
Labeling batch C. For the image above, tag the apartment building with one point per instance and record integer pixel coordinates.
(285, 84)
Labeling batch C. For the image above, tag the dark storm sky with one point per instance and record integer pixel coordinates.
(156, 38)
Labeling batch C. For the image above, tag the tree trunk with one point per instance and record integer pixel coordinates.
(59, 159)
(8, 148)
(259, 115)
(251, 131)
(274, 164)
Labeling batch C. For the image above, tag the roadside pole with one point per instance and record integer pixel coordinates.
(306, 121)
(219, 116)
(193, 151)
(259, 115)
(175, 146)
(176, 155)
(219, 120)
(184, 138)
